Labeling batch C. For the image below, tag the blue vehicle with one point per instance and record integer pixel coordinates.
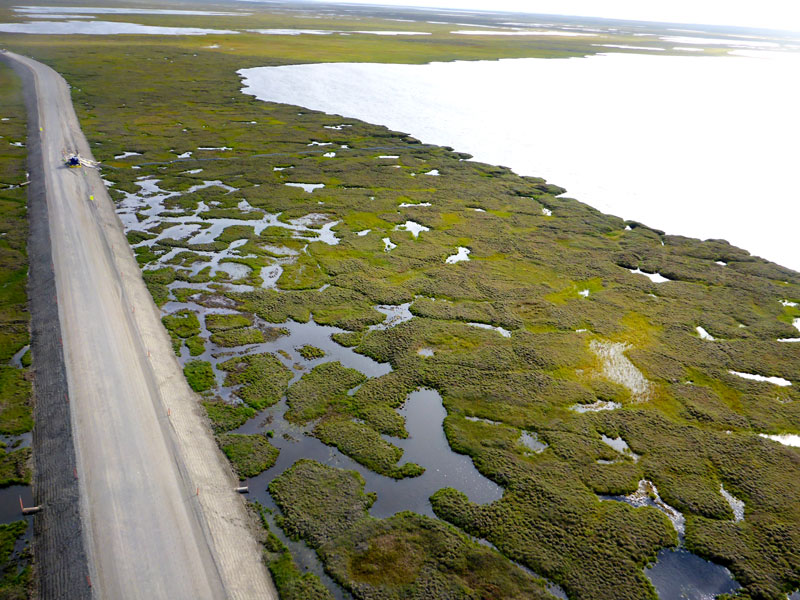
(73, 160)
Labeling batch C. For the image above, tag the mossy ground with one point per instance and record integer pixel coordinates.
(16, 415)
(15, 411)
(292, 584)
(404, 556)
(225, 416)
(13, 219)
(14, 466)
(184, 326)
(261, 377)
(15, 572)
(311, 352)
(327, 384)
(525, 273)
(200, 375)
(249, 454)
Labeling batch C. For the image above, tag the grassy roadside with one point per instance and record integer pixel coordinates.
(15, 387)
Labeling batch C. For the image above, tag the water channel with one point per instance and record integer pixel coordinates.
(423, 411)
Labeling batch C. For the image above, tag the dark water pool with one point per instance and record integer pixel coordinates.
(680, 575)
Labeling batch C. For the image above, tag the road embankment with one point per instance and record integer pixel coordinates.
(61, 562)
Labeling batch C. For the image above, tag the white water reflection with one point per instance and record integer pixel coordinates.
(737, 506)
(333, 32)
(589, 136)
(306, 187)
(618, 368)
(704, 334)
(779, 381)
(647, 495)
(413, 227)
(787, 439)
(620, 446)
(502, 331)
(654, 277)
(595, 406)
(395, 314)
(532, 442)
(625, 47)
(95, 10)
(72, 27)
(719, 42)
(537, 33)
(461, 255)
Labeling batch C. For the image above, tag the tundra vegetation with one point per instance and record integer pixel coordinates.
(249, 454)
(16, 415)
(292, 584)
(550, 270)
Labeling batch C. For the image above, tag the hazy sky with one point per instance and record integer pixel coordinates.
(778, 14)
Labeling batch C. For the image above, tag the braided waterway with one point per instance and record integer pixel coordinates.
(424, 413)
(675, 572)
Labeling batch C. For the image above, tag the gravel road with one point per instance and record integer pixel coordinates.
(160, 515)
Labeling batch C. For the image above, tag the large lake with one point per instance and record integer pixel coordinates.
(698, 146)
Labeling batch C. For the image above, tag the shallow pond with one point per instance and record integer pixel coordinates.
(681, 575)
(9, 502)
(426, 444)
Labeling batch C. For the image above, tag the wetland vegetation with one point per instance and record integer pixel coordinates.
(16, 415)
(272, 297)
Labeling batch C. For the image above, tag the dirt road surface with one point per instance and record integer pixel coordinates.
(160, 515)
